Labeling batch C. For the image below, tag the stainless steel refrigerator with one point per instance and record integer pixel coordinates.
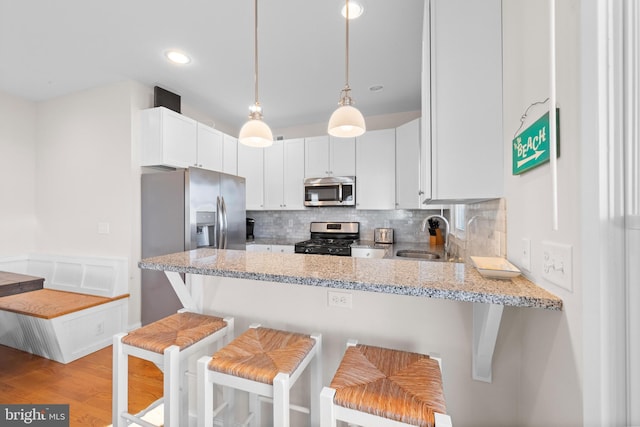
(183, 210)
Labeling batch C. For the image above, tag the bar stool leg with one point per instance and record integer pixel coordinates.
(228, 395)
(327, 412)
(120, 385)
(204, 394)
(255, 410)
(281, 400)
(316, 380)
(171, 394)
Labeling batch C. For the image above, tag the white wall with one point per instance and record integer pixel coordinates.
(551, 374)
(87, 172)
(17, 175)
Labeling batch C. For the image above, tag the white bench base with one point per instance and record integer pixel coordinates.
(70, 336)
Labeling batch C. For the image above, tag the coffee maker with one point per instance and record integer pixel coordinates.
(250, 224)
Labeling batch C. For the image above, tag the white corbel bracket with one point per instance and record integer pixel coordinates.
(189, 298)
(486, 324)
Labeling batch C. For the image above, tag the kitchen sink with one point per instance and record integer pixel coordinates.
(412, 253)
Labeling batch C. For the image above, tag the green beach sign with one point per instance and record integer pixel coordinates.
(531, 147)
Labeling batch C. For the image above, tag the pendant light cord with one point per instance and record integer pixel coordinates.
(255, 51)
(346, 61)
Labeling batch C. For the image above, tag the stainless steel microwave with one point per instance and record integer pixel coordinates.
(330, 191)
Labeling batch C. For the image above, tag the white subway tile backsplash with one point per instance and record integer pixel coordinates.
(485, 235)
(295, 224)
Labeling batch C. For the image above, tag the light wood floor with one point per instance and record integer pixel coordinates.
(84, 384)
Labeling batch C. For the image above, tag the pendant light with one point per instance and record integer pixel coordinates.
(255, 132)
(347, 121)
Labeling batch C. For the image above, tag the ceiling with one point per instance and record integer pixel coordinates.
(52, 48)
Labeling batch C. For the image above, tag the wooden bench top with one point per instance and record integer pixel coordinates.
(14, 283)
(50, 303)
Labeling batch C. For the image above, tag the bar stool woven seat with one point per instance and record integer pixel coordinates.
(260, 354)
(264, 362)
(169, 343)
(180, 329)
(395, 387)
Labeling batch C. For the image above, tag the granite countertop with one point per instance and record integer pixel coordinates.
(446, 280)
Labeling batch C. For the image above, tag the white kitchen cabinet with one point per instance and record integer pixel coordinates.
(329, 156)
(462, 100)
(251, 166)
(293, 174)
(258, 248)
(274, 176)
(229, 154)
(408, 178)
(367, 253)
(171, 139)
(376, 170)
(167, 138)
(283, 249)
(209, 148)
(284, 175)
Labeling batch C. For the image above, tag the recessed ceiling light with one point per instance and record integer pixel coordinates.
(355, 10)
(376, 88)
(177, 57)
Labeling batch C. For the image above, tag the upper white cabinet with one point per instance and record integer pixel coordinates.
(230, 155)
(376, 169)
(462, 100)
(209, 148)
(171, 139)
(284, 175)
(293, 174)
(274, 176)
(409, 190)
(329, 156)
(251, 166)
(168, 138)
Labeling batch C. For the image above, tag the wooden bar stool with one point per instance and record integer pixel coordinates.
(169, 343)
(265, 363)
(378, 387)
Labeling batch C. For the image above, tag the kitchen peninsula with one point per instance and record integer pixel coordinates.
(434, 280)
(447, 280)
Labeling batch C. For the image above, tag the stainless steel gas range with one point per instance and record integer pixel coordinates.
(330, 238)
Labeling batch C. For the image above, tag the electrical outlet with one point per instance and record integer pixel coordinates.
(339, 299)
(100, 328)
(525, 254)
(557, 264)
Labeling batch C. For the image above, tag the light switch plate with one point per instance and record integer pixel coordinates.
(103, 228)
(557, 264)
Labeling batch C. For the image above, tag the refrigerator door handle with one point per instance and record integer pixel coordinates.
(219, 221)
(225, 224)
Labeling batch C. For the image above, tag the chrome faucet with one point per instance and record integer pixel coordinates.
(423, 227)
